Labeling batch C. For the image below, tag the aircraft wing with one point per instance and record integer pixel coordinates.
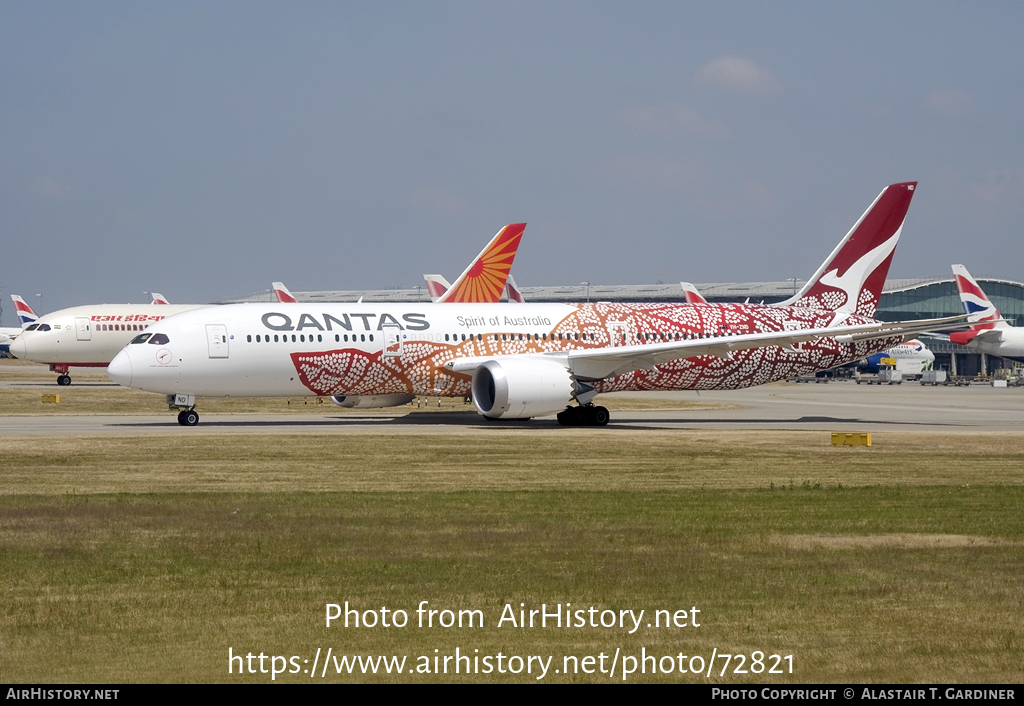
(600, 363)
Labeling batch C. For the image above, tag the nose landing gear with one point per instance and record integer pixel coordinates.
(63, 379)
(186, 404)
(585, 416)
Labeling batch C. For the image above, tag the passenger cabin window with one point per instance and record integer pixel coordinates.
(159, 339)
(142, 338)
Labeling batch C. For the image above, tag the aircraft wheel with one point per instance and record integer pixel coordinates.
(189, 418)
(569, 417)
(181, 417)
(64, 379)
(600, 416)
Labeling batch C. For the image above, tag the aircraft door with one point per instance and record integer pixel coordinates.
(393, 342)
(83, 328)
(617, 333)
(217, 339)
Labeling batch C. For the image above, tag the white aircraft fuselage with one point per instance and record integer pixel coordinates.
(1002, 342)
(87, 336)
(419, 349)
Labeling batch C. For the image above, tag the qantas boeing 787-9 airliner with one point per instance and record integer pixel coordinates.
(531, 359)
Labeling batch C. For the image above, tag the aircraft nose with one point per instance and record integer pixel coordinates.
(120, 369)
(18, 348)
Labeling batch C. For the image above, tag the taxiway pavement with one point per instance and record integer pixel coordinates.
(837, 406)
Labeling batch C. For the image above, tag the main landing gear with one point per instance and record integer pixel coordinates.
(585, 416)
(188, 417)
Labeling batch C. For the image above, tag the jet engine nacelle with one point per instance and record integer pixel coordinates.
(519, 389)
(366, 402)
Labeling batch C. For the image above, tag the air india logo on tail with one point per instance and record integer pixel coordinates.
(485, 279)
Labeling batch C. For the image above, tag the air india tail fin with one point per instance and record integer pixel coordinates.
(512, 292)
(436, 286)
(982, 313)
(282, 294)
(158, 298)
(25, 312)
(692, 295)
(484, 280)
(850, 281)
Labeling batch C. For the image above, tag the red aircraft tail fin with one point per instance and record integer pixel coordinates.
(850, 281)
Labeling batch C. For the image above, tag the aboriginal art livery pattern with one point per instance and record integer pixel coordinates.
(419, 370)
(845, 290)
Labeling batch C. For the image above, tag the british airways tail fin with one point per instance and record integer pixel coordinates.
(158, 298)
(436, 286)
(982, 313)
(25, 312)
(512, 292)
(692, 295)
(282, 294)
(850, 281)
(484, 280)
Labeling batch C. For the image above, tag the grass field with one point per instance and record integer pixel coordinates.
(145, 558)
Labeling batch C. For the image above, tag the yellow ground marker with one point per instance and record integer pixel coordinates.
(851, 439)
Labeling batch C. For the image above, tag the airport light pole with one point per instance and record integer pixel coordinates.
(588, 290)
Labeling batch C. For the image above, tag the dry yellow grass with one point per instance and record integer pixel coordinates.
(146, 557)
(500, 458)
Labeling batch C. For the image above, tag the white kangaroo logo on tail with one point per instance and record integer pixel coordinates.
(853, 280)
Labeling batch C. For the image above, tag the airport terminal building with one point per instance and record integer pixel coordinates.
(902, 299)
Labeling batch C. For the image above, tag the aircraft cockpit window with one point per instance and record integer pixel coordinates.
(33, 327)
(142, 338)
(43, 327)
(159, 339)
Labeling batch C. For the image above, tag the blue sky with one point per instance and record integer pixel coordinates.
(205, 149)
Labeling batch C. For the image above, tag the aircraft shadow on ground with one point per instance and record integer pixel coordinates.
(435, 419)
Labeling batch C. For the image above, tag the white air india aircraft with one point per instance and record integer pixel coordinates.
(532, 359)
(988, 332)
(87, 336)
